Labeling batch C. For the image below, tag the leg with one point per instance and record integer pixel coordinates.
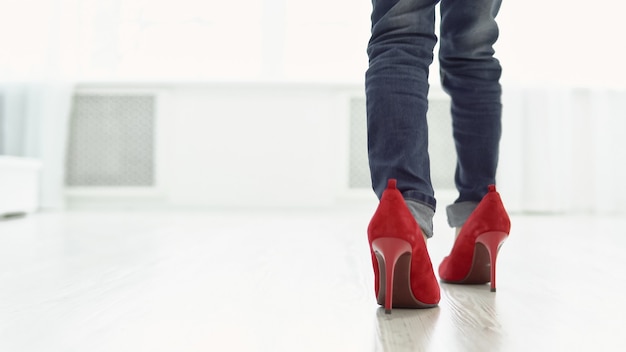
(400, 52)
(471, 74)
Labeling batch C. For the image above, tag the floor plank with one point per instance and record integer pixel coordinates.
(285, 280)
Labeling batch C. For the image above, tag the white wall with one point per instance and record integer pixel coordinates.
(563, 43)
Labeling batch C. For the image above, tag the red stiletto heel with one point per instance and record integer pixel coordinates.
(473, 256)
(404, 276)
(388, 250)
(492, 242)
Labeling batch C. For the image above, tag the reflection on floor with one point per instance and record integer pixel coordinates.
(293, 280)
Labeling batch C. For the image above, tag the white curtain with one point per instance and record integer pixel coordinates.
(34, 125)
(564, 97)
(564, 149)
(37, 70)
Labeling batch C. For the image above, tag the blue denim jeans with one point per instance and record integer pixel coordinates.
(400, 52)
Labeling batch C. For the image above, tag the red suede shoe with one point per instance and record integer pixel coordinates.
(473, 257)
(404, 276)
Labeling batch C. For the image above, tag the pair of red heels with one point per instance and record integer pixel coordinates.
(404, 276)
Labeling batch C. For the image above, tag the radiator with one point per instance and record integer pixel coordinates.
(111, 141)
(227, 145)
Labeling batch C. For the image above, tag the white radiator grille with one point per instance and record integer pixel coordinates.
(441, 145)
(111, 141)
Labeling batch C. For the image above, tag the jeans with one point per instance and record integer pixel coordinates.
(400, 52)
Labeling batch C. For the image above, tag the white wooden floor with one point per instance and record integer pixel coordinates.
(298, 280)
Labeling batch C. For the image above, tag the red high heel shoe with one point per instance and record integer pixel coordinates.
(404, 276)
(473, 257)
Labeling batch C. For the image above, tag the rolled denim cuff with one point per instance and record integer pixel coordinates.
(423, 214)
(459, 212)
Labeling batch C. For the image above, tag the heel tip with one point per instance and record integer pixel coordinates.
(387, 311)
(493, 289)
